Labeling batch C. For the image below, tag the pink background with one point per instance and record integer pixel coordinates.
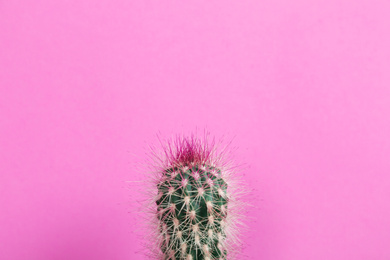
(304, 86)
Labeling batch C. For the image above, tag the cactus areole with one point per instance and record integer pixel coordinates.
(193, 203)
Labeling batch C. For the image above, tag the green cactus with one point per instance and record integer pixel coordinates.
(192, 209)
(195, 201)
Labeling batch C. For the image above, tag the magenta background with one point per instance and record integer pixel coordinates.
(303, 85)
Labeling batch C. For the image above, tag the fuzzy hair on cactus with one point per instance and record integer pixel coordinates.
(196, 204)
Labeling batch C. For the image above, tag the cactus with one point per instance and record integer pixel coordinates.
(192, 208)
(196, 205)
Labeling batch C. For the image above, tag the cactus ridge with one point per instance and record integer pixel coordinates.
(192, 210)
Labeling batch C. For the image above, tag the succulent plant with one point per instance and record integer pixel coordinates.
(196, 205)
